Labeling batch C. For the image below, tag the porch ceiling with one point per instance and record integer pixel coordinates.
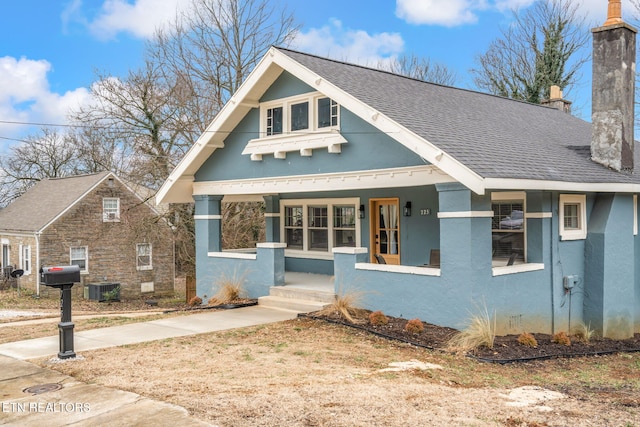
(355, 180)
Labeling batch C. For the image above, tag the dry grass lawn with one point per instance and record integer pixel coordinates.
(311, 373)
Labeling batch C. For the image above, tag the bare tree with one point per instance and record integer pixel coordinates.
(421, 69)
(46, 155)
(543, 47)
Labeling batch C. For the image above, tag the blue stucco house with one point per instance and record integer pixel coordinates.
(430, 199)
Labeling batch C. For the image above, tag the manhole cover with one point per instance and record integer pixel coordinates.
(42, 388)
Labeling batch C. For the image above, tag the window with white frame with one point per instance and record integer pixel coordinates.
(318, 225)
(25, 259)
(110, 209)
(508, 225)
(573, 216)
(310, 112)
(143, 256)
(79, 255)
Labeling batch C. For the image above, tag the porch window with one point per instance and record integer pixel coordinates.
(79, 256)
(293, 227)
(318, 225)
(508, 228)
(344, 225)
(573, 213)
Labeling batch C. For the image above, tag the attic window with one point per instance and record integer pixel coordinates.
(110, 209)
(300, 123)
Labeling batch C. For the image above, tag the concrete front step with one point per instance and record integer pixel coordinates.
(293, 304)
(302, 294)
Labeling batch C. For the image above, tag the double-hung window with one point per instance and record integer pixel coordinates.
(25, 259)
(573, 216)
(315, 226)
(143, 256)
(79, 255)
(508, 226)
(110, 209)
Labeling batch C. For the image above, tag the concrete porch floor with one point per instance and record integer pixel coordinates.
(309, 281)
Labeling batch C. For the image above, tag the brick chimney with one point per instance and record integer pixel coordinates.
(614, 70)
(556, 100)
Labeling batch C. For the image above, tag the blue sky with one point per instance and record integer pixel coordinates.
(50, 50)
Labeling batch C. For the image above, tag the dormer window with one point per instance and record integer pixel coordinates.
(110, 209)
(310, 112)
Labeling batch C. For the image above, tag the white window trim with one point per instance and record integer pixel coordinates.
(514, 195)
(303, 140)
(86, 259)
(25, 250)
(106, 215)
(580, 233)
(635, 214)
(305, 203)
(145, 267)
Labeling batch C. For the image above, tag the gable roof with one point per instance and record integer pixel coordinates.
(46, 201)
(481, 140)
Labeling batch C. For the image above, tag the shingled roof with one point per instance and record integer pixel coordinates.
(493, 136)
(45, 201)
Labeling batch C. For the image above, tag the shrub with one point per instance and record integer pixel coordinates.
(561, 338)
(377, 318)
(414, 326)
(527, 340)
(480, 332)
(195, 301)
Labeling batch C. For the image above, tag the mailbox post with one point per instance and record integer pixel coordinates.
(63, 278)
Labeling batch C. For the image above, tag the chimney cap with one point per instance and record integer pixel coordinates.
(614, 13)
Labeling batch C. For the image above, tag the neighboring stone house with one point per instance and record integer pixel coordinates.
(95, 221)
(429, 200)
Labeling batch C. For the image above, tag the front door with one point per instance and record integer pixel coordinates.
(385, 230)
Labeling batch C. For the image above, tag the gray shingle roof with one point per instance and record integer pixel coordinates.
(494, 137)
(44, 201)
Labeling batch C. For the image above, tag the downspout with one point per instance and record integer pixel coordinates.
(553, 255)
(37, 269)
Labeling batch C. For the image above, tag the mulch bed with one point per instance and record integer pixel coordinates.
(506, 348)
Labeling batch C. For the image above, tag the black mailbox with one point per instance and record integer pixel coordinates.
(60, 275)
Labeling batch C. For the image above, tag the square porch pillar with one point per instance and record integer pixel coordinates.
(272, 218)
(465, 235)
(208, 224)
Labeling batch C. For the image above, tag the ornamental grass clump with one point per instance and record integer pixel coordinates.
(377, 318)
(480, 332)
(195, 301)
(561, 338)
(414, 326)
(527, 340)
(230, 288)
(345, 306)
(583, 333)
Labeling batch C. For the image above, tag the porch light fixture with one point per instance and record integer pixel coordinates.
(361, 212)
(407, 209)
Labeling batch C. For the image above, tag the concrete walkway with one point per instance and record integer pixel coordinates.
(34, 396)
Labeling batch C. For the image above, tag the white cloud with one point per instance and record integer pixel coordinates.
(448, 13)
(355, 46)
(25, 95)
(140, 18)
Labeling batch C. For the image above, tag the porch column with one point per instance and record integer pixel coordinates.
(270, 258)
(609, 295)
(208, 224)
(272, 218)
(465, 237)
